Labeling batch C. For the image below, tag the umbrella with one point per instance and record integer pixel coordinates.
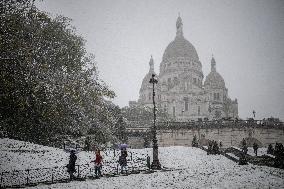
(68, 150)
(121, 146)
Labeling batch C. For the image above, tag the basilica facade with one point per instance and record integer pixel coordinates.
(181, 91)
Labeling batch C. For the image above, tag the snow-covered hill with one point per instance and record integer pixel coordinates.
(20, 155)
(191, 168)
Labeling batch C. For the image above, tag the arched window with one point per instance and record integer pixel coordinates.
(186, 104)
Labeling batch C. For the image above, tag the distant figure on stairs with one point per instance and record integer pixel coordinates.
(255, 148)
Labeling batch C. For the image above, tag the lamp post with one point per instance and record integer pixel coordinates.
(156, 163)
(253, 112)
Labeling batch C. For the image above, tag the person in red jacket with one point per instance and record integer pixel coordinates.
(98, 164)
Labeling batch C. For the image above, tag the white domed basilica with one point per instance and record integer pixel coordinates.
(180, 90)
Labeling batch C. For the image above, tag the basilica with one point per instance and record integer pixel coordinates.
(181, 91)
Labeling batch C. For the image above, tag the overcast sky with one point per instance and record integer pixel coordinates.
(245, 36)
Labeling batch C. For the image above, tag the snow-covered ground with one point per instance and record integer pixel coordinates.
(260, 151)
(19, 155)
(191, 168)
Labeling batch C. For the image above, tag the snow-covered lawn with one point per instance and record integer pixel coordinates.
(191, 168)
(260, 151)
(19, 155)
(16, 157)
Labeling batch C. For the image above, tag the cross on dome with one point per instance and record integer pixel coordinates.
(213, 64)
(179, 26)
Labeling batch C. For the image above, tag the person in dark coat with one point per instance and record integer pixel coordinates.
(244, 146)
(215, 147)
(220, 144)
(209, 150)
(123, 161)
(270, 149)
(71, 166)
(148, 162)
(279, 155)
(255, 148)
(245, 149)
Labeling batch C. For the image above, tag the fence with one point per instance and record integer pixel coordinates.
(32, 177)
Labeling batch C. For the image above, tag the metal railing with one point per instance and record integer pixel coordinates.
(50, 175)
(208, 124)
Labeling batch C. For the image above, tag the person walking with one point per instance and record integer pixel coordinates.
(98, 164)
(220, 144)
(71, 165)
(255, 148)
(123, 161)
(244, 146)
(148, 162)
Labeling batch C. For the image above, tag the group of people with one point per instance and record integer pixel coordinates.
(245, 147)
(98, 163)
(278, 152)
(213, 147)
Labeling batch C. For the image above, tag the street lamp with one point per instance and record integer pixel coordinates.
(253, 112)
(156, 163)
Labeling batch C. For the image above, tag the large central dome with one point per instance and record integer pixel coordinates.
(180, 47)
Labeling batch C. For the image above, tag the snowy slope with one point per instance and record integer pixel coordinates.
(19, 155)
(260, 151)
(191, 168)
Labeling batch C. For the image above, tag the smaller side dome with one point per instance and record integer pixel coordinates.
(146, 79)
(214, 79)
